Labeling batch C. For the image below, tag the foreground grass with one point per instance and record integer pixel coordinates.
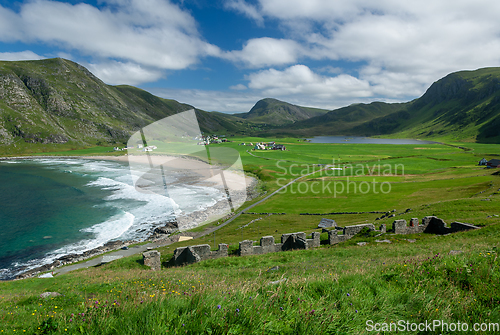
(332, 290)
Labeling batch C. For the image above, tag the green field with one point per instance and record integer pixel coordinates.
(330, 290)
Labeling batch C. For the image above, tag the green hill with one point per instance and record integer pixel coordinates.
(463, 106)
(343, 121)
(58, 101)
(276, 112)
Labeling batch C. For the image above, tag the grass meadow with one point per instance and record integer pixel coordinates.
(341, 289)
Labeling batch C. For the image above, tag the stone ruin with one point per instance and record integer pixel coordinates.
(152, 259)
(430, 225)
(294, 241)
(197, 253)
(291, 241)
(349, 232)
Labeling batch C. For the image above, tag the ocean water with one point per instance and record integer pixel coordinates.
(54, 207)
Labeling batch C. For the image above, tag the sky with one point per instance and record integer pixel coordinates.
(226, 55)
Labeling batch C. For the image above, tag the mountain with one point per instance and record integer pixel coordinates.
(58, 101)
(463, 106)
(342, 121)
(276, 112)
(59, 104)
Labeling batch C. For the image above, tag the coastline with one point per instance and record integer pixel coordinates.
(160, 234)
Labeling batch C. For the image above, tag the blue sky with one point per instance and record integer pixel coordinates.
(226, 55)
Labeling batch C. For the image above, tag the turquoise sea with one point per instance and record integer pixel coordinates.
(53, 207)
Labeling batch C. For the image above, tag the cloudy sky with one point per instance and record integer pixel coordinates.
(226, 55)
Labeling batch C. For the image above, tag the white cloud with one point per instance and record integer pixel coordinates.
(245, 9)
(299, 79)
(118, 73)
(402, 46)
(227, 102)
(10, 27)
(153, 33)
(239, 87)
(265, 51)
(21, 55)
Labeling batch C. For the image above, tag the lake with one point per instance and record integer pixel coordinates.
(365, 140)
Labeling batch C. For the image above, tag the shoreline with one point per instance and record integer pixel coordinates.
(161, 233)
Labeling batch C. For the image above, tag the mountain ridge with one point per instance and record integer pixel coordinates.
(59, 102)
(277, 112)
(56, 101)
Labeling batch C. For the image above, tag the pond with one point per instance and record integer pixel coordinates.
(365, 140)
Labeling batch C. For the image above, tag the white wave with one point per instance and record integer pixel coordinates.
(103, 232)
(140, 211)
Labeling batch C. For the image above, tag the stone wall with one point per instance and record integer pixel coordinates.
(197, 253)
(152, 259)
(430, 225)
(290, 241)
(293, 241)
(353, 230)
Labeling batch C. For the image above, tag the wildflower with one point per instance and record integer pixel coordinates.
(281, 308)
(348, 295)
(237, 310)
(219, 306)
(356, 311)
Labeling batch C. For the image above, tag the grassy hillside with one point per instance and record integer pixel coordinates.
(343, 121)
(329, 290)
(462, 106)
(276, 112)
(57, 103)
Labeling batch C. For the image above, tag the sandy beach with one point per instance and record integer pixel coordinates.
(241, 188)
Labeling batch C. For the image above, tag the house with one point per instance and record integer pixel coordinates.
(494, 163)
(279, 147)
(483, 162)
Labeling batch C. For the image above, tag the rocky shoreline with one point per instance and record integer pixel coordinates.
(161, 234)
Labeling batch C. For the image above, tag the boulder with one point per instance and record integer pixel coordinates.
(152, 259)
(327, 223)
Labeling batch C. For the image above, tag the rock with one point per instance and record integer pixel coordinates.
(50, 294)
(411, 241)
(361, 243)
(167, 229)
(455, 252)
(277, 281)
(383, 241)
(152, 259)
(327, 223)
